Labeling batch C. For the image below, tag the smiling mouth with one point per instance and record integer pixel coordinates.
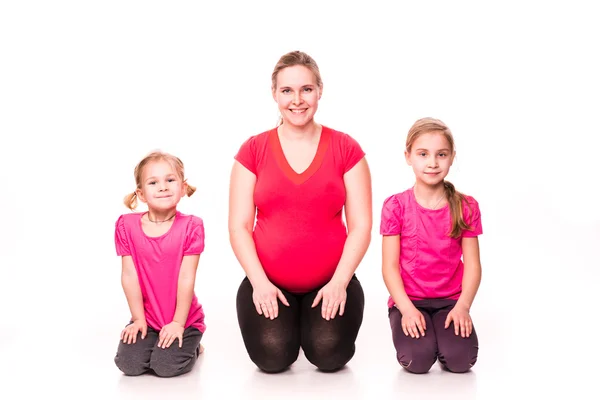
(294, 111)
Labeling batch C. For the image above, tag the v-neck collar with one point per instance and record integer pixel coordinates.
(299, 178)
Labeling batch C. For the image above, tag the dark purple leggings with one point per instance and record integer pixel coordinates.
(457, 354)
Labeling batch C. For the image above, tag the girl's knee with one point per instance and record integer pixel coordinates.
(418, 359)
(130, 367)
(458, 362)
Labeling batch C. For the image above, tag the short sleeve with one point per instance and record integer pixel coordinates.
(391, 217)
(247, 154)
(194, 238)
(472, 216)
(352, 152)
(121, 240)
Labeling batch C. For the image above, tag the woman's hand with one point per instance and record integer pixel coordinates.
(264, 296)
(334, 296)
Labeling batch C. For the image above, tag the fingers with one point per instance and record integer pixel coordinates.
(448, 320)
(275, 307)
(420, 328)
(423, 323)
(131, 334)
(342, 307)
(456, 326)
(144, 331)
(258, 307)
(282, 298)
(466, 327)
(413, 328)
(329, 309)
(317, 298)
(270, 311)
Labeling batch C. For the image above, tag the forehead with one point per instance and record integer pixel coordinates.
(297, 75)
(159, 168)
(431, 141)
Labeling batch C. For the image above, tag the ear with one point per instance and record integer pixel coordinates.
(452, 158)
(184, 186)
(320, 91)
(273, 93)
(140, 195)
(407, 157)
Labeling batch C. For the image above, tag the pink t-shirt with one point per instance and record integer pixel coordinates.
(431, 263)
(157, 261)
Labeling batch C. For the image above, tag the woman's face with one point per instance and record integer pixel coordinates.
(297, 95)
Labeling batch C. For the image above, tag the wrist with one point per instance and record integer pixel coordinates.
(463, 305)
(405, 306)
(182, 324)
(340, 279)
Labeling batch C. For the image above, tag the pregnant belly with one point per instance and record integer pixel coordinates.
(300, 263)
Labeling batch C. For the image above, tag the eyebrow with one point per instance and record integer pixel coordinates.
(303, 86)
(436, 150)
(154, 177)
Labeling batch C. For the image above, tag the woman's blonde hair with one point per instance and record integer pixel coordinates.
(455, 198)
(131, 199)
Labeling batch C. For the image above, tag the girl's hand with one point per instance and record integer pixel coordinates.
(462, 321)
(169, 333)
(334, 298)
(264, 296)
(413, 323)
(129, 334)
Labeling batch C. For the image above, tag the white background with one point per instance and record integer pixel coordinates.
(88, 88)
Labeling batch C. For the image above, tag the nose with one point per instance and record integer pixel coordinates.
(297, 98)
(432, 162)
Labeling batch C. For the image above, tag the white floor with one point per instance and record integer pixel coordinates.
(534, 341)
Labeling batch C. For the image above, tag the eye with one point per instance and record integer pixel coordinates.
(443, 154)
(285, 91)
(308, 90)
(422, 154)
(152, 183)
(171, 180)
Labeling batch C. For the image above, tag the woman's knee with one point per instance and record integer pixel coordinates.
(273, 353)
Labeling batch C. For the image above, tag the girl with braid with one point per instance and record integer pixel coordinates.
(430, 262)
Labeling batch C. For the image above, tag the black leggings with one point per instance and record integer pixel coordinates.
(273, 345)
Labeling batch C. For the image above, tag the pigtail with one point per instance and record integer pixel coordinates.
(190, 190)
(455, 202)
(131, 201)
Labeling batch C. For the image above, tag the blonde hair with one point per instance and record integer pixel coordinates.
(131, 199)
(291, 59)
(455, 198)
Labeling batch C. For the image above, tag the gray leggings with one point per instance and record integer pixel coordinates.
(144, 355)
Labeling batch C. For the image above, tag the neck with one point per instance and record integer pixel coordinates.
(309, 131)
(427, 193)
(161, 215)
